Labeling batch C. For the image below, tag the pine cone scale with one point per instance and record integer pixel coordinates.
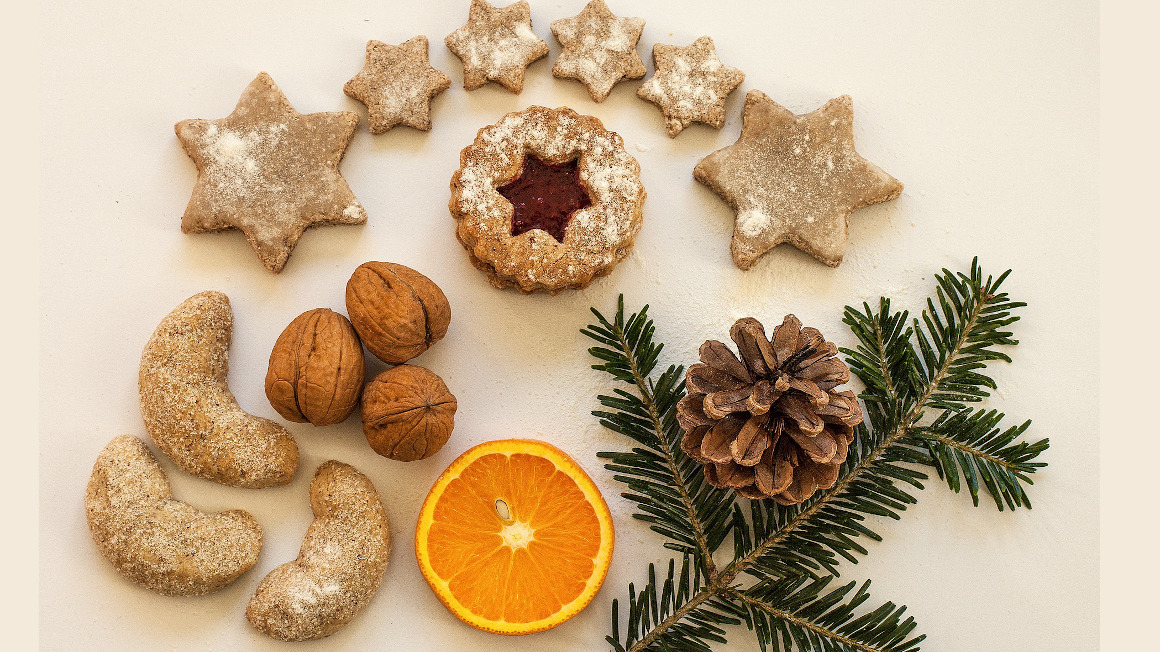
(718, 405)
(751, 442)
(717, 355)
(704, 379)
(766, 421)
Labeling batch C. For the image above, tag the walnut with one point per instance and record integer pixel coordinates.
(316, 369)
(408, 413)
(398, 312)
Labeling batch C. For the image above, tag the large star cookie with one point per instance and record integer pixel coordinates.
(794, 178)
(496, 44)
(397, 84)
(599, 49)
(690, 84)
(270, 171)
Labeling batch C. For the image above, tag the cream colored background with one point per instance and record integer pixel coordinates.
(986, 111)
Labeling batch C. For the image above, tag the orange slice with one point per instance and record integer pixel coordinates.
(514, 537)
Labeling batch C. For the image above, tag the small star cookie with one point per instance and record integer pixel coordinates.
(690, 85)
(599, 49)
(794, 178)
(397, 84)
(496, 44)
(270, 171)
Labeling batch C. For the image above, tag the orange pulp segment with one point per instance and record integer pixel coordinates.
(514, 537)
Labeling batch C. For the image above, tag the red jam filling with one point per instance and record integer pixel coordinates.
(545, 196)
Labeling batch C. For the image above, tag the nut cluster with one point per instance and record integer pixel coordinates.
(317, 368)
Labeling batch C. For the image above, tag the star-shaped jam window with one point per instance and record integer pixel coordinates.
(794, 178)
(496, 44)
(690, 85)
(269, 171)
(397, 84)
(545, 196)
(599, 49)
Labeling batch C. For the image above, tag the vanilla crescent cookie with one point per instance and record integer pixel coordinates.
(339, 567)
(189, 410)
(546, 200)
(155, 541)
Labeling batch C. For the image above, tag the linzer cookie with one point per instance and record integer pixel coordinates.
(690, 85)
(397, 84)
(794, 178)
(496, 44)
(599, 49)
(270, 171)
(547, 200)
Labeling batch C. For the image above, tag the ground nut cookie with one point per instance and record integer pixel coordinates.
(269, 171)
(497, 44)
(397, 85)
(189, 410)
(794, 178)
(599, 49)
(690, 85)
(339, 567)
(547, 200)
(153, 540)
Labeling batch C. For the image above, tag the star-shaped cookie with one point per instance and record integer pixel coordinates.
(397, 84)
(794, 178)
(690, 84)
(496, 44)
(270, 171)
(599, 49)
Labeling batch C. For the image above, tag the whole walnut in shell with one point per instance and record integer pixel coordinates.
(408, 413)
(316, 369)
(398, 312)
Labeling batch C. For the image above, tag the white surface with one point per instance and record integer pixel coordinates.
(986, 111)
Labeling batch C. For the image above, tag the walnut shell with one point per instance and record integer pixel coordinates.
(408, 413)
(316, 369)
(398, 312)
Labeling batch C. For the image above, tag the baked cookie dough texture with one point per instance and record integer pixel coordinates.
(339, 567)
(158, 542)
(596, 238)
(189, 410)
(497, 44)
(794, 178)
(269, 171)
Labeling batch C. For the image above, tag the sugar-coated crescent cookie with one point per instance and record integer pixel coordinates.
(153, 540)
(189, 410)
(339, 567)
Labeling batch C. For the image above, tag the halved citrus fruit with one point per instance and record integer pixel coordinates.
(514, 537)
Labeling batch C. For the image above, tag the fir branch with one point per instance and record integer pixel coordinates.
(668, 487)
(970, 442)
(792, 612)
(909, 367)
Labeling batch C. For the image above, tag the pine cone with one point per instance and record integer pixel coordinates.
(769, 425)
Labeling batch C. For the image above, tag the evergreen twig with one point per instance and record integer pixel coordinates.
(784, 557)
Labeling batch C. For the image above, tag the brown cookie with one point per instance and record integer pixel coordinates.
(270, 171)
(547, 200)
(397, 84)
(496, 44)
(599, 49)
(690, 85)
(189, 410)
(794, 178)
(160, 543)
(339, 566)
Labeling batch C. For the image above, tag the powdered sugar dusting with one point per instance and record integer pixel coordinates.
(534, 260)
(599, 49)
(690, 85)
